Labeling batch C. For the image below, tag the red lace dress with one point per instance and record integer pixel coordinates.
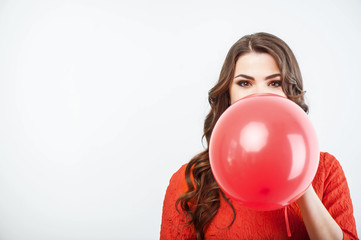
(329, 183)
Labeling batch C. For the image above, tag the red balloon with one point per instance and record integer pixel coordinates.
(264, 152)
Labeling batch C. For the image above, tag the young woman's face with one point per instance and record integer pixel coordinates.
(255, 73)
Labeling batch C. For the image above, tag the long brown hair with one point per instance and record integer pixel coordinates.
(202, 199)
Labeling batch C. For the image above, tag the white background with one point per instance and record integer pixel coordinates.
(102, 101)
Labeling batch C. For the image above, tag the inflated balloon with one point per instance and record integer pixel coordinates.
(264, 152)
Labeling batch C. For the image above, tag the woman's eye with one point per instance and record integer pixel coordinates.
(244, 83)
(276, 84)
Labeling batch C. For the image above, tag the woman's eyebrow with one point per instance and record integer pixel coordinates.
(244, 76)
(273, 76)
(252, 78)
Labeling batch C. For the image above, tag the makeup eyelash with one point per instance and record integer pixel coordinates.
(240, 83)
(278, 82)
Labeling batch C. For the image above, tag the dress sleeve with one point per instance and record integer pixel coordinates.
(173, 224)
(336, 197)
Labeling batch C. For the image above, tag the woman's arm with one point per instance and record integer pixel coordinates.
(326, 206)
(318, 221)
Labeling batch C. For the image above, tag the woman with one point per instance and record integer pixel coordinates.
(196, 208)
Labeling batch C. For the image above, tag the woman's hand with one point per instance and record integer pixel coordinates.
(318, 221)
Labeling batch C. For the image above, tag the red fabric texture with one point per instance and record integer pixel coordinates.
(329, 183)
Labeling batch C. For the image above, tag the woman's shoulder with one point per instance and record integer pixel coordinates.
(179, 174)
(328, 162)
(177, 182)
(328, 157)
(180, 171)
(329, 173)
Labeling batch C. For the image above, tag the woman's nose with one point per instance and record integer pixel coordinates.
(259, 89)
